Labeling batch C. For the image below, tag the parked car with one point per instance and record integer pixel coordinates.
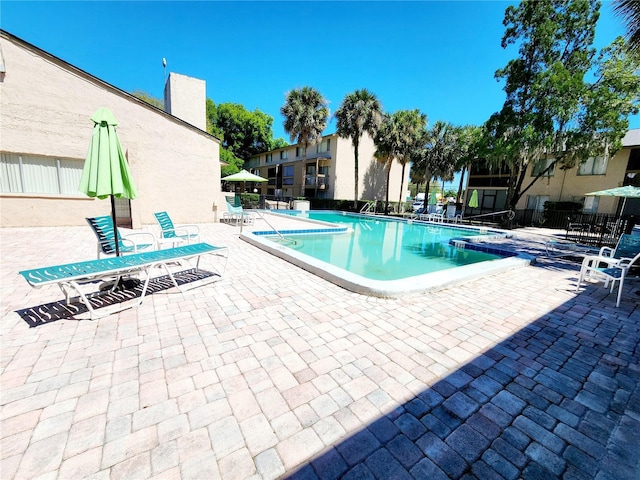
(417, 205)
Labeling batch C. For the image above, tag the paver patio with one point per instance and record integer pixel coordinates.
(273, 372)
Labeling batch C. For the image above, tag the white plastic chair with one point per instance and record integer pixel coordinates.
(615, 270)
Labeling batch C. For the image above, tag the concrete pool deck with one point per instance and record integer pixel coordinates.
(274, 372)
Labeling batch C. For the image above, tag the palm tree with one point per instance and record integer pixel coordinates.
(469, 138)
(385, 141)
(305, 116)
(410, 126)
(359, 112)
(440, 152)
(629, 10)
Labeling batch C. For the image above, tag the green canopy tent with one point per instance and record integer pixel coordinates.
(106, 171)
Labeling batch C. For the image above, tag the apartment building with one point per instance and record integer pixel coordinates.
(46, 106)
(569, 185)
(326, 170)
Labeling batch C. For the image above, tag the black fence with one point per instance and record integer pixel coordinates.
(596, 229)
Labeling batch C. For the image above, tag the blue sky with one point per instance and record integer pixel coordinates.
(439, 57)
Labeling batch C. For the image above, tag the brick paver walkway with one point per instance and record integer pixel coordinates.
(273, 372)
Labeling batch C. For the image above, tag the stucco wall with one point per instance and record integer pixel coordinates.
(186, 98)
(564, 185)
(371, 174)
(45, 110)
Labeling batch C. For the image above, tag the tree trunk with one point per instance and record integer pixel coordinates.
(356, 142)
(459, 196)
(386, 199)
(401, 185)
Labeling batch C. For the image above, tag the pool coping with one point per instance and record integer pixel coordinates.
(391, 288)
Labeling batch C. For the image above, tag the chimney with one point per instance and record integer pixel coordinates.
(186, 98)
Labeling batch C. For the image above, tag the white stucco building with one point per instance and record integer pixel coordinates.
(45, 128)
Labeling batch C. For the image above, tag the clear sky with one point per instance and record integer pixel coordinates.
(439, 57)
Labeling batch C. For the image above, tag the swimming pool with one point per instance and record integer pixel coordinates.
(382, 256)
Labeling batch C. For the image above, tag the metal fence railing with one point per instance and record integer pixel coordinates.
(596, 229)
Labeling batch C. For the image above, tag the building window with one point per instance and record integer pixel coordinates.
(269, 158)
(298, 151)
(283, 155)
(589, 204)
(593, 166)
(45, 175)
(536, 202)
(324, 145)
(541, 165)
(287, 175)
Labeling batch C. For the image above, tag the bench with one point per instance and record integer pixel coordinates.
(71, 276)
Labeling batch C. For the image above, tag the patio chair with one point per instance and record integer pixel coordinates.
(235, 213)
(558, 248)
(176, 234)
(433, 217)
(627, 247)
(131, 243)
(615, 270)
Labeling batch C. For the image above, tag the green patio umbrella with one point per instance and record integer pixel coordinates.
(625, 192)
(433, 198)
(473, 201)
(244, 177)
(106, 171)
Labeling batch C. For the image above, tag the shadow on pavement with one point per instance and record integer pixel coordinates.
(60, 310)
(558, 399)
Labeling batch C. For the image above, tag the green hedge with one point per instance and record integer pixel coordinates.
(562, 206)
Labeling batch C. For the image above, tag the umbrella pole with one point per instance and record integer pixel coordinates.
(115, 228)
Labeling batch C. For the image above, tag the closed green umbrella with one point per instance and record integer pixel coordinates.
(106, 171)
(473, 201)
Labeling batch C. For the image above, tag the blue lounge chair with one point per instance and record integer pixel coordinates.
(70, 277)
(178, 234)
(131, 243)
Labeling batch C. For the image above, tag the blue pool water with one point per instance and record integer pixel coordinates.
(385, 249)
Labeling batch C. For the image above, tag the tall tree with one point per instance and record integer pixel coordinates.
(438, 157)
(359, 112)
(385, 142)
(410, 127)
(305, 115)
(629, 10)
(469, 138)
(150, 99)
(552, 112)
(244, 133)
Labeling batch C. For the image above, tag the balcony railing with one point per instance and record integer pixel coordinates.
(320, 181)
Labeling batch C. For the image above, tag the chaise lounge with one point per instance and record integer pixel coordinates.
(70, 277)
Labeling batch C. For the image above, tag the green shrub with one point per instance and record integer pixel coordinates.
(562, 206)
